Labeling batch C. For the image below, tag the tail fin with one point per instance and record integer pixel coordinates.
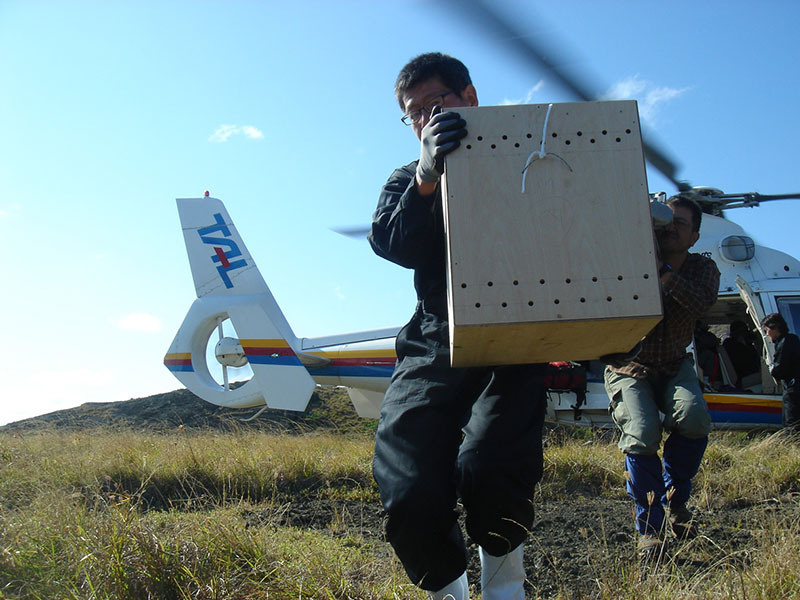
(229, 285)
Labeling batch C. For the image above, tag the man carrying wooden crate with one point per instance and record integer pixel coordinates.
(662, 379)
(447, 433)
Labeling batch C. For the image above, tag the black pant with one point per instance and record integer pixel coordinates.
(423, 460)
(791, 409)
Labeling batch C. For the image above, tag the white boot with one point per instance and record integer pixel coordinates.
(502, 577)
(455, 590)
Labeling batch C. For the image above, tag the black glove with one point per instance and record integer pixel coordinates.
(439, 137)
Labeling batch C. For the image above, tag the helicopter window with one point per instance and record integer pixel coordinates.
(789, 307)
(737, 248)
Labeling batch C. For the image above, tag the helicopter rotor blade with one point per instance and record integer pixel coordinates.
(750, 199)
(356, 231)
(538, 52)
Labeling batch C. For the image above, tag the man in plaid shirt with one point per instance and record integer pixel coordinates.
(662, 379)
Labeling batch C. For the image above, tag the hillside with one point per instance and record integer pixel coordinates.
(328, 409)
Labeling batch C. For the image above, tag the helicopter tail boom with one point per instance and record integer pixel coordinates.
(230, 286)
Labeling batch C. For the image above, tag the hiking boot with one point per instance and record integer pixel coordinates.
(682, 522)
(650, 548)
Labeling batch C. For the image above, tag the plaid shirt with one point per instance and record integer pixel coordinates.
(688, 294)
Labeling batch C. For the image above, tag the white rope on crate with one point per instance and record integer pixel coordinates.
(541, 152)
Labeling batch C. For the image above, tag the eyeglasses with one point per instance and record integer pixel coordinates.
(416, 115)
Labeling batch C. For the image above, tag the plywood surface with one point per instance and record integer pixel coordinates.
(575, 245)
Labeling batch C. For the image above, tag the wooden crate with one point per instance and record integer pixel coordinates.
(566, 269)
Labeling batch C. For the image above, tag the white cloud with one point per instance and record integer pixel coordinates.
(252, 132)
(224, 132)
(649, 96)
(140, 322)
(9, 211)
(528, 95)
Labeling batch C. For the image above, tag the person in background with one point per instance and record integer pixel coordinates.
(447, 433)
(785, 366)
(744, 356)
(707, 347)
(662, 379)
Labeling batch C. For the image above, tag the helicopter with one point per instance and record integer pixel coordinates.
(286, 369)
(755, 280)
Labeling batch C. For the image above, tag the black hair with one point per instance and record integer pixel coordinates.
(775, 321)
(737, 326)
(450, 70)
(687, 201)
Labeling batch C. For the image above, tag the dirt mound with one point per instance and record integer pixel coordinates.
(329, 408)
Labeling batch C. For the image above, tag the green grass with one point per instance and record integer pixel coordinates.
(140, 515)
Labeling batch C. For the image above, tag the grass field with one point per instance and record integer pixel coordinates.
(202, 515)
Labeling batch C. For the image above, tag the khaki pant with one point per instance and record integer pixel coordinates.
(635, 405)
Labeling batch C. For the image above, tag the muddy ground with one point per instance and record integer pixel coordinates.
(579, 547)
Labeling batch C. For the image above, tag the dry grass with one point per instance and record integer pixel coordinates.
(138, 515)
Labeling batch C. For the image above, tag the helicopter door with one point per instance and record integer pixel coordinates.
(756, 312)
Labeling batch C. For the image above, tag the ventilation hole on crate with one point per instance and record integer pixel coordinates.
(628, 131)
(554, 134)
(567, 142)
(480, 138)
(619, 140)
(785, 267)
(583, 299)
(490, 283)
(556, 301)
(580, 133)
(636, 296)
(530, 302)
(505, 137)
(592, 140)
(608, 298)
(594, 279)
(469, 146)
(604, 132)
(619, 277)
(528, 135)
(494, 146)
(516, 144)
(568, 280)
(515, 282)
(463, 285)
(477, 305)
(646, 276)
(504, 304)
(541, 281)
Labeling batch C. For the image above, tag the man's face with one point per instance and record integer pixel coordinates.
(428, 94)
(679, 236)
(773, 333)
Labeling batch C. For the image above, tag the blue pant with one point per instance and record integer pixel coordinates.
(636, 406)
(444, 434)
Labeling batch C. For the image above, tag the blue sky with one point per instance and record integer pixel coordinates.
(110, 110)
